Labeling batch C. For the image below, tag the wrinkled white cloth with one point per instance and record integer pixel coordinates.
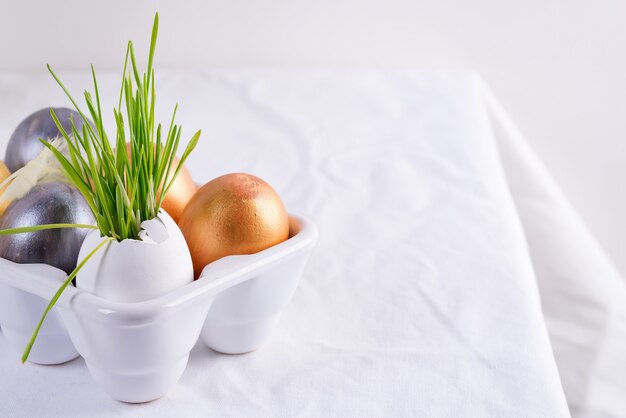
(438, 231)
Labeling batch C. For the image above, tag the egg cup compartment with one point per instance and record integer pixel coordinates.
(138, 351)
(21, 309)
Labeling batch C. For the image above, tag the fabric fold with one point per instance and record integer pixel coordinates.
(583, 295)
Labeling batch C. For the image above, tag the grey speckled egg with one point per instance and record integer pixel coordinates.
(24, 143)
(46, 203)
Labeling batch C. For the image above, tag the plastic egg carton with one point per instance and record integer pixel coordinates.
(137, 352)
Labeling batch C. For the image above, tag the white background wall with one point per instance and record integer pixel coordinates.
(558, 66)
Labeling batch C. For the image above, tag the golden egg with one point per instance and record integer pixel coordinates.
(233, 214)
(4, 174)
(181, 191)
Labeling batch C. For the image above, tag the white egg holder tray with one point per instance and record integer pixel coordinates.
(138, 351)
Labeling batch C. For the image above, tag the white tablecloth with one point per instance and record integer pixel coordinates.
(438, 231)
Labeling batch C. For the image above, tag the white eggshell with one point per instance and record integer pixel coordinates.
(137, 270)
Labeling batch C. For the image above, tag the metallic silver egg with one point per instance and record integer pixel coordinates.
(46, 203)
(24, 143)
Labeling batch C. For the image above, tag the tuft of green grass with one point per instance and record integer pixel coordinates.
(122, 189)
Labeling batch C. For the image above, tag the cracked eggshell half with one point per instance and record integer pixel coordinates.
(137, 270)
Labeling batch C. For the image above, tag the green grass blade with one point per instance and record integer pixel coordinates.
(190, 147)
(35, 228)
(153, 40)
(56, 297)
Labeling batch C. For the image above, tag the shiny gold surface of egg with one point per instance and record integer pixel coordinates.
(180, 193)
(4, 174)
(233, 214)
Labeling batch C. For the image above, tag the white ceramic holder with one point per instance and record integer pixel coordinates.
(137, 351)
